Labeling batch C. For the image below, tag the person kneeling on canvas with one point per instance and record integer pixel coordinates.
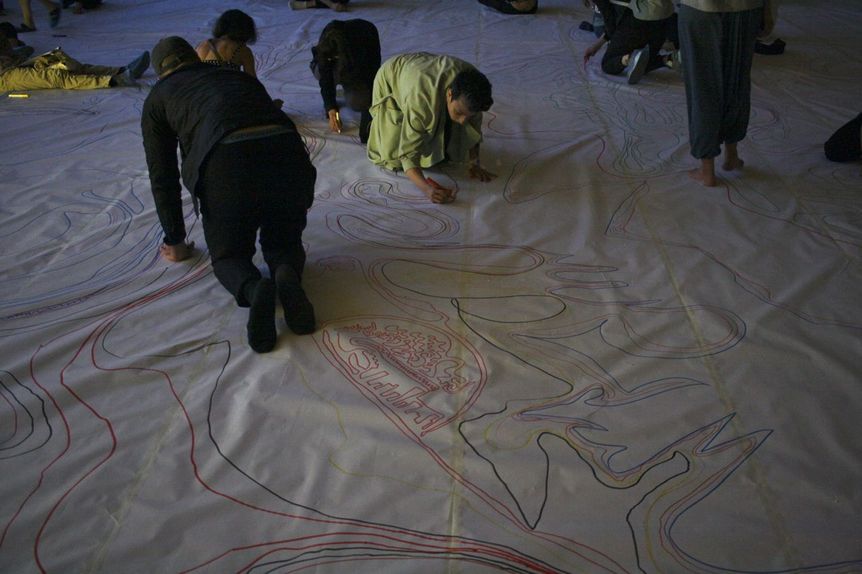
(244, 161)
(348, 53)
(426, 109)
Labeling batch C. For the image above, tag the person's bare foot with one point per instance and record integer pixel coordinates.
(731, 164)
(705, 174)
(732, 161)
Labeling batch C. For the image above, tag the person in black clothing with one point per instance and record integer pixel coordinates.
(634, 43)
(846, 143)
(512, 6)
(244, 162)
(347, 53)
(337, 5)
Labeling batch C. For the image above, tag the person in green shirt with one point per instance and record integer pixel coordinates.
(427, 108)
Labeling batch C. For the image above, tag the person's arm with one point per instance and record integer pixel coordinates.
(436, 194)
(245, 58)
(203, 50)
(594, 49)
(475, 170)
(413, 137)
(160, 146)
(326, 80)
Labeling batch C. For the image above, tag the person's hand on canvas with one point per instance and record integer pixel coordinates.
(178, 252)
(437, 193)
(334, 118)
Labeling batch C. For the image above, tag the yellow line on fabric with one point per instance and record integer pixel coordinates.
(751, 466)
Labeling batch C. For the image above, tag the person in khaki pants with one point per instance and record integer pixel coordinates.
(56, 69)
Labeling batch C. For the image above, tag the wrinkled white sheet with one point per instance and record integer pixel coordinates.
(590, 364)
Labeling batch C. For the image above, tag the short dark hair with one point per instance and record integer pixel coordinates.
(236, 25)
(474, 88)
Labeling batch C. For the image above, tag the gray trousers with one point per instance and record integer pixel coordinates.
(717, 51)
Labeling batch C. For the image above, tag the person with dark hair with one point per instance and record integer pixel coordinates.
(245, 163)
(232, 33)
(348, 53)
(426, 109)
(717, 43)
(512, 6)
(337, 5)
(846, 143)
(635, 33)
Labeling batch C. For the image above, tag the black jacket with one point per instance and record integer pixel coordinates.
(196, 106)
(347, 53)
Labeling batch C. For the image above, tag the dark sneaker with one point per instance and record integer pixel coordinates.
(261, 317)
(638, 65)
(138, 66)
(298, 311)
(776, 48)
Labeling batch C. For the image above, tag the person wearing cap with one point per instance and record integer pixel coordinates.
(248, 169)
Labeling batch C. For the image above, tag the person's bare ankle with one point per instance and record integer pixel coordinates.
(732, 160)
(705, 174)
(732, 163)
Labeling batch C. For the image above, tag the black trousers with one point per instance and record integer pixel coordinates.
(261, 185)
(628, 34)
(846, 143)
(506, 8)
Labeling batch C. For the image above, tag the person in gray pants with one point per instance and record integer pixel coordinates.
(717, 44)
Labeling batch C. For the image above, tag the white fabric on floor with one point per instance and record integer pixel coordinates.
(590, 364)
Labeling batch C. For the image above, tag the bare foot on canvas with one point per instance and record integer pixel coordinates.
(705, 174)
(732, 161)
(732, 164)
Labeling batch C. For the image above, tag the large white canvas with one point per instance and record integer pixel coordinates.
(590, 364)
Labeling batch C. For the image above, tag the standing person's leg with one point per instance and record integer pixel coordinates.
(27, 16)
(700, 42)
(27, 13)
(231, 214)
(287, 188)
(740, 33)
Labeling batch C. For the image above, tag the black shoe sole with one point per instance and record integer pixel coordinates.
(261, 318)
(298, 310)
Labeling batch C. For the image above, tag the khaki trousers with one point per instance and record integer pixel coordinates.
(56, 69)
